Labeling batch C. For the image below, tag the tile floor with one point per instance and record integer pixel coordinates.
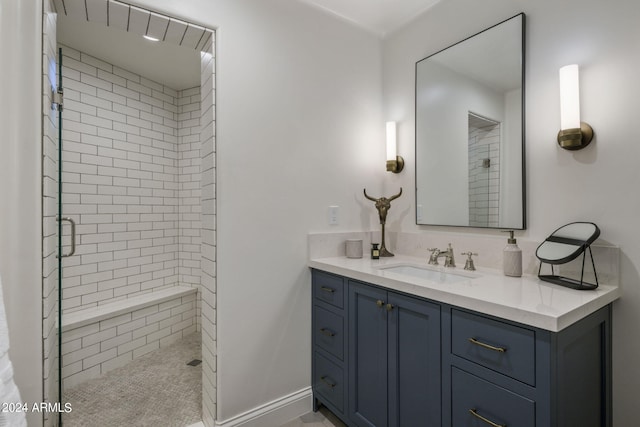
(322, 418)
(158, 389)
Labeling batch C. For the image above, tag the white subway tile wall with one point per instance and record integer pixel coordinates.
(49, 213)
(208, 260)
(189, 190)
(484, 174)
(130, 156)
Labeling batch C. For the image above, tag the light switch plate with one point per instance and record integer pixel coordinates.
(334, 215)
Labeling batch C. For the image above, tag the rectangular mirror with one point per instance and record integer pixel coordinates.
(470, 131)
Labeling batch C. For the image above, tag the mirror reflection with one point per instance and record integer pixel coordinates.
(469, 131)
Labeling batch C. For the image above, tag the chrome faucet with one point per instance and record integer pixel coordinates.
(449, 260)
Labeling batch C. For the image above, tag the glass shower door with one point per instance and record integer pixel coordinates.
(60, 92)
(58, 100)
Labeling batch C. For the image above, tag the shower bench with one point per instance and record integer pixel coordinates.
(99, 339)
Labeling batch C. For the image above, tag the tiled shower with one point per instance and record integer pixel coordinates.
(131, 182)
(484, 171)
(131, 163)
(138, 176)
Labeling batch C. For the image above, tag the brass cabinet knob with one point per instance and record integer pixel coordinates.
(327, 332)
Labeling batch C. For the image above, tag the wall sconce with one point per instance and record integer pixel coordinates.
(574, 134)
(395, 163)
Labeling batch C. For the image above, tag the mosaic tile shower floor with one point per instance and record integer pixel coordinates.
(159, 389)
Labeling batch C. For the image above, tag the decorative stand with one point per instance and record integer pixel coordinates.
(564, 245)
(383, 249)
(383, 205)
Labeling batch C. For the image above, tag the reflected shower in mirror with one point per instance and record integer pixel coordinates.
(484, 171)
(469, 131)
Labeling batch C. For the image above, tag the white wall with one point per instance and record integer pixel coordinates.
(20, 192)
(599, 183)
(299, 129)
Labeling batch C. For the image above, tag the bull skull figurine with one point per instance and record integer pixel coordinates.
(383, 205)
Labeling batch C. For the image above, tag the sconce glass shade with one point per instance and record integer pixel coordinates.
(574, 134)
(391, 141)
(569, 97)
(395, 163)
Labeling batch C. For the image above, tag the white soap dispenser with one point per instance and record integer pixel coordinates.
(512, 257)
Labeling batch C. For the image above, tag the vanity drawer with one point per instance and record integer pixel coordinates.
(504, 348)
(328, 331)
(328, 381)
(476, 402)
(328, 288)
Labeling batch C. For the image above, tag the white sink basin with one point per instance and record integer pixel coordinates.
(440, 276)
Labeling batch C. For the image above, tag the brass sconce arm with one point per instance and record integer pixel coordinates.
(577, 138)
(396, 165)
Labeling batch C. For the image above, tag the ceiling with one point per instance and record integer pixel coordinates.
(380, 17)
(112, 31)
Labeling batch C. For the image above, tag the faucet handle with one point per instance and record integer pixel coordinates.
(433, 258)
(468, 265)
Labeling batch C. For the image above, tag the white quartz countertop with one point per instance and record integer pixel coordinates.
(526, 300)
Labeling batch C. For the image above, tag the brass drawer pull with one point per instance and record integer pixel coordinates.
(379, 303)
(327, 332)
(324, 380)
(488, 346)
(324, 288)
(491, 423)
(389, 307)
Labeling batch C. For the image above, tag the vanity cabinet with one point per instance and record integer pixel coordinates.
(394, 359)
(398, 360)
(329, 342)
(505, 373)
(490, 346)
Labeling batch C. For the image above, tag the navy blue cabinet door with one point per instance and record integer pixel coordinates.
(414, 362)
(394, 359)
(367, 355)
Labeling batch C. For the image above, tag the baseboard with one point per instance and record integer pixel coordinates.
(275, 413)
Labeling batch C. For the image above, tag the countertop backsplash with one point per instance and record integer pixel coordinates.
(327, 245)
(489, 249)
